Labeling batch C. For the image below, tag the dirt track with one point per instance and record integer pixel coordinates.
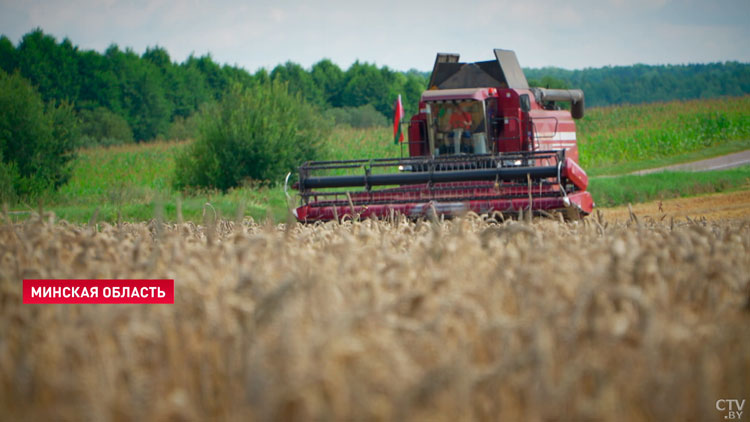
(718, 206)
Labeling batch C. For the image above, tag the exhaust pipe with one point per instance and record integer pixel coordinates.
(573, 96)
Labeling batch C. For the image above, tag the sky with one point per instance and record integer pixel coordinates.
(402, 35)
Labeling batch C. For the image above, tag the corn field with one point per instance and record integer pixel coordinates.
(632, 133)
(392, 320)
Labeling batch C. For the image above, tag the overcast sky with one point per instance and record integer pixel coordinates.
(572, 34)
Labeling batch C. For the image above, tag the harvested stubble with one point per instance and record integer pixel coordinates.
(382, 320)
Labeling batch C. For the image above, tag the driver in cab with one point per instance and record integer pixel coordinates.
(460, 121)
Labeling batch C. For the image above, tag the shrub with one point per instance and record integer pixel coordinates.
(357, 117)
(8, 175)
(255, 133)
(103, 127)
(37, 142)
(182, 128)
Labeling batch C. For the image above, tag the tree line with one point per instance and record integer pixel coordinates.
(640, 83)
(146, 96)
(121, 95)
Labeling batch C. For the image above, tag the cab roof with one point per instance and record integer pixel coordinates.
(478, 94)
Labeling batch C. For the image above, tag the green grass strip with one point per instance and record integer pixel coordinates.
(710, 152)
(621, 190)
(271, 203)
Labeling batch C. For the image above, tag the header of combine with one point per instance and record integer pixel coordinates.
(483, 141)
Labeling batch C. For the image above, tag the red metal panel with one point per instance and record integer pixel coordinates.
(583, 200)
(417, 140)
(555, 130)
(575, 174)
(512, 134)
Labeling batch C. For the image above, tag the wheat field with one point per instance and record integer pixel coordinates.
(392, 320)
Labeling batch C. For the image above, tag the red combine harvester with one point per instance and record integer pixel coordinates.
(483, 141)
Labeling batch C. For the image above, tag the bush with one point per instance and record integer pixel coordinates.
(257, 133)
(102, 127)
(8, 176)
(357, 117)
(182, 129)
(37, 142)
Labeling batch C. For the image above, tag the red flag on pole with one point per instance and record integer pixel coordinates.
(398, 114)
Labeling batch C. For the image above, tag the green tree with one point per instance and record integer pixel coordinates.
(184, 88)
(102, 127)
(366, 84)
(100, 86)
(299, 82)
(8, 177)
(8, 56)
(37, 141)
(548, 81)
(142, 94)
(158, 56)
(50, 66)
(261, 76)
(329, 78)
(193, 90)
(412, 90)
(238, 75)
(215, 78)
(152, 110)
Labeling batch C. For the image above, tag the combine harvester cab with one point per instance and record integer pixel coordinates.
(483, 141)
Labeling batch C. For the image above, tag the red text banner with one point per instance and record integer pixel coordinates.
(98, 291)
